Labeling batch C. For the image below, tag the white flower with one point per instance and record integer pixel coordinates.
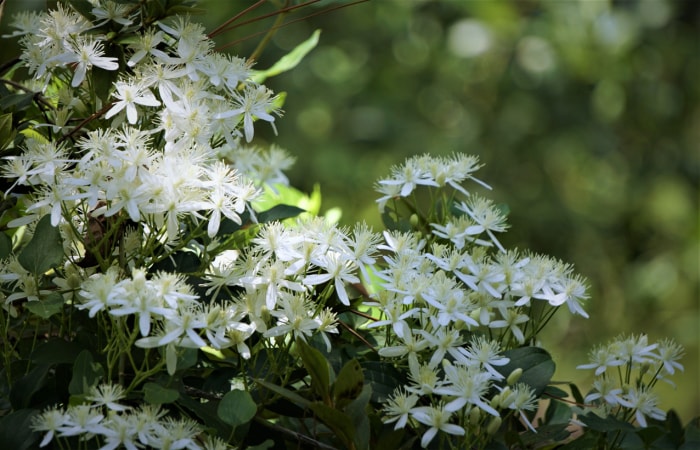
(437, 419)
(398, 408)
(339, 269)
(130, 94)
(643, 402)
(85, 54)
(49, 421)
(256, 102)
(468, 385)
(107, 395)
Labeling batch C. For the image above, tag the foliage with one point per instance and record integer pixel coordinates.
(154, 296)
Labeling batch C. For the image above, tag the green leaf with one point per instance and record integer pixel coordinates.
(383, 378)
(607, 424)
(83, 7)
(45, 250)
(318, 369)
(21, 101)
(5, 245)
(7, 134)
(545, 433)
(576, 393)
(86, 374)
(279, 212)
(536, 363)
(56, 351)
(46, 307)
(23, 389)
(288, 61)
(357, 410)
(16, 430)
(339, 422)
(155, 394)
(558, 412)
(237, 408)
(348, 384)
(262, 446)
(285, 393)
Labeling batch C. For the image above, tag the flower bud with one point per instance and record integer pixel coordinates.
(413, 220)
(493, 426)
(474, 416)
(514, 376)
(495, 401)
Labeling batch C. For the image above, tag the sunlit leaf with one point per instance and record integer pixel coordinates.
(288, 61)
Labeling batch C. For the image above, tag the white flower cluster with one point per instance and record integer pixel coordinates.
(104, 419)
(643, 365)
(279, 278)
(440, 298)
(185, 106)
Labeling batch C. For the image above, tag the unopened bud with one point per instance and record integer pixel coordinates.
(413, 220)
(514, 376)
(495, 401)
(474, 416)
(493, 426)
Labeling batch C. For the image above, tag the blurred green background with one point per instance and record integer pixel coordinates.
(585, 113)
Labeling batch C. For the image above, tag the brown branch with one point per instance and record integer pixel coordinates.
(259, 33)
(85, 121)
(221, 28)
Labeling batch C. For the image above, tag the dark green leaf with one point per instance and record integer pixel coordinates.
(83, 7)
(348, 383)
(576, 393)
(5, 246)
(279, 212)
(692, 435)
(383, 378)
(546, 433)
(553, 391)
(558, 412)
(536, 363)
(156, 394)
(339, 422)
(47, 306)
(318, 369)
(23, 389)
(357, 410)
(607, 424)
(263, 446)
(236, 408)
(285, 393)
(86, 374)
(45, 250)
(21, 101)
(16, 431)
(7, 134)
(56, 351)
(206, 412)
